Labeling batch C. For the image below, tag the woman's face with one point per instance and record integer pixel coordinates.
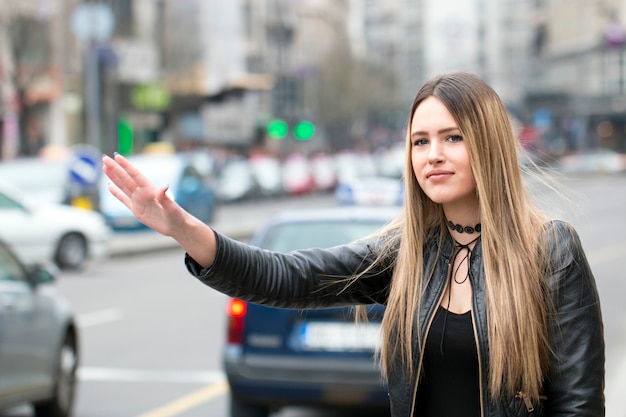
(439, 156)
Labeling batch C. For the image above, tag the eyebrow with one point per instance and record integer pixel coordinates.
(446, 130)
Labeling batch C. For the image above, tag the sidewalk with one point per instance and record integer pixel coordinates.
(602, 161)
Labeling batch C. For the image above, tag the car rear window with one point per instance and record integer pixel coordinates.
(288, 237)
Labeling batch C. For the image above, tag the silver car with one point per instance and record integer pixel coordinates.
(38, 340)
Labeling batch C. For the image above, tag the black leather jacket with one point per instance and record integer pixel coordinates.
(308, 279)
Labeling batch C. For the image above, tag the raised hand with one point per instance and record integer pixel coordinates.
(150, 203)
(153, 206)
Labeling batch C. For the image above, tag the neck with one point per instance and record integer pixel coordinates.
(465, 216)
(465, 227)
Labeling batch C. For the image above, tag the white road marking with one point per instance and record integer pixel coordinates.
(99, 317)
(88, 373)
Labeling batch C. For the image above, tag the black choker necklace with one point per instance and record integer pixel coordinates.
(464, 229)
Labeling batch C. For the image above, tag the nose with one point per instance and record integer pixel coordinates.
(435, 152)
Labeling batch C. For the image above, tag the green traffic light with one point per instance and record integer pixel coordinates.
(277, 129)
(304, 130)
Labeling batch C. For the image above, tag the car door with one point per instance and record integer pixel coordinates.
(26, 330)
(24, 231)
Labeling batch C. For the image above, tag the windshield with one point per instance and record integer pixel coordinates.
(34, 175)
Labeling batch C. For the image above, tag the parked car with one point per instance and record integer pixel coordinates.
(297, 174)
(279, 357)
(43, 232)
(236, 181)
(44, 179)
(39, 350)
(55, 179)
(351, 165)
(324, 172)
(373, 191)
(268, 173)
(187, 184)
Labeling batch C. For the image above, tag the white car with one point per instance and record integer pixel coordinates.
(370, 191)
(43, 232)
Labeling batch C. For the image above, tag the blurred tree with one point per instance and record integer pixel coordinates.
(347, 92)
(30, 53)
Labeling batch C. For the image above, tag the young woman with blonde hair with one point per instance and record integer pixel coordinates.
(492, 309)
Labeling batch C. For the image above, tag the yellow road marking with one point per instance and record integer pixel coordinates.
(189, 401)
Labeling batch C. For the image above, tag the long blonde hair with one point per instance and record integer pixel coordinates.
(514, 265)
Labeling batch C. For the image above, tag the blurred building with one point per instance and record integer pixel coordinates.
(215, 100)
(419, 39)
(120, 74)
(33, 68)
(389, 38)
(576, 90)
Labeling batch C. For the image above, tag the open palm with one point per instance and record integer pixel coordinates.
(150, 203)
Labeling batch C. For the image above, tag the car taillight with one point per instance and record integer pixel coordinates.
(236, 310)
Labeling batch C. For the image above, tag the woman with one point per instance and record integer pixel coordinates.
(492, 308)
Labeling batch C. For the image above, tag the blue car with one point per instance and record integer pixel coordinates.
(187, 184)
(279, 357)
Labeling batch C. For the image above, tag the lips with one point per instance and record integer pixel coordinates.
(438, 175)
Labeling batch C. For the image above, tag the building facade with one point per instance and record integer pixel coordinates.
(576, 87)
(214, 73)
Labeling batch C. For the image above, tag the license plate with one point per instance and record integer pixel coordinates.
(339, 336)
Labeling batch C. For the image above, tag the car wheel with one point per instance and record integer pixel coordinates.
(241, 409)
(62, 400)
(71, 253)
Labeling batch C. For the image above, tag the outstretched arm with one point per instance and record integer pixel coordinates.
(153, 206)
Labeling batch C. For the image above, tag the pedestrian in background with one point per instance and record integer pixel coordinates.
(491, 306)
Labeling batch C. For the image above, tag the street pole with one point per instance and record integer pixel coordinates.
(93, 24)
(92, 87)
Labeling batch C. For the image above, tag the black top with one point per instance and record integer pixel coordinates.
(449, 385)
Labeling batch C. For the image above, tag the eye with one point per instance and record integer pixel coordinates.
(455, 138)
(420, 142)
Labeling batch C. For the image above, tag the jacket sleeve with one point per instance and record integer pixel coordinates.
(575, 384)
(303, 279)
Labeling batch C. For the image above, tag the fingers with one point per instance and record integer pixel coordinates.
(131, 170)
(117, 175)
(123, 174)
(120, 195)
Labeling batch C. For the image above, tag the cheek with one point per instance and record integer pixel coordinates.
(469, 180)
(417, 163)
(414, 163)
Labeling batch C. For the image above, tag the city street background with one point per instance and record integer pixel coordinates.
(309, 89)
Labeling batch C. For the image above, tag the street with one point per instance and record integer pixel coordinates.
(151, 335)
